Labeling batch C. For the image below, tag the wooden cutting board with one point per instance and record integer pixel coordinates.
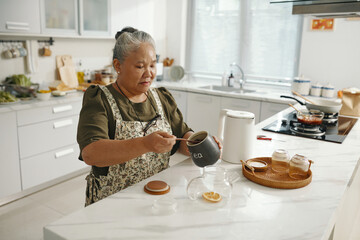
(67, 72)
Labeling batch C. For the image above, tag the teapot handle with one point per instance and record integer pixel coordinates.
(222, 116)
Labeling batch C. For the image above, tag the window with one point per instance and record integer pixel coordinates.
(263, 38)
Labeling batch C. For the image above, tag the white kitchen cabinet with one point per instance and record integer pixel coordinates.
(46, 136)
(59, 17)
(47, 142)
(47, 166)
(181, 101)
(10, 181)
(19, 16)
(242, 105)
(203, 112)
(94, 17)
(268, 109)
(74, 18)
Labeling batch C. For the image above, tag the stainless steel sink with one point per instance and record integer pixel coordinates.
(227, 89)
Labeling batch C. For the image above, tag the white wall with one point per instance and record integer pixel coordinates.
(332, 56)
(176, 30)
(146, 15)
(95, 54)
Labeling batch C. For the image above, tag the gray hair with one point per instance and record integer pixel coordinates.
(128, 41)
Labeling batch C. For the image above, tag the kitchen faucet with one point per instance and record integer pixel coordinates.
(242, 79)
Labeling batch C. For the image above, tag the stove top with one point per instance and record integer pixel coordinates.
(334, 130)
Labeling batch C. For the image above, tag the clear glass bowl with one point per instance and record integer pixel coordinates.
(310, 117)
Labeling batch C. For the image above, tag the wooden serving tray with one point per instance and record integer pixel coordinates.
(273, 179)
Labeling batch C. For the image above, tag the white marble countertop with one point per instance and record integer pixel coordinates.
(254, 212)
(28, 104)
(262, 92)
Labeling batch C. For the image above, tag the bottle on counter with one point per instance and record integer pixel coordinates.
(80, 72)
(231, 80)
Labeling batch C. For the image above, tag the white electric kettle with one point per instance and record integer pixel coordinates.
(237, 133)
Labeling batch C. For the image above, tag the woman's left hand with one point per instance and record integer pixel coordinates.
(218, 142)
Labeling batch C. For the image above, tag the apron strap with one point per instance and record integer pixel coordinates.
(158, 102)
(112, 102)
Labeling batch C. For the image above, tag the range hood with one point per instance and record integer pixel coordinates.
(325, 8)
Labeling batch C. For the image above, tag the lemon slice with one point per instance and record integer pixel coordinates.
(212, 197)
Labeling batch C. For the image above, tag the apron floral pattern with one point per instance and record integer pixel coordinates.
(121, 176)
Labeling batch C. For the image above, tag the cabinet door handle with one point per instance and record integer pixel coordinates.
(62, 109)
(17, 26)
(64, 152)
(64, 123)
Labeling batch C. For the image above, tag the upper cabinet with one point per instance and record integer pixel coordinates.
(94, 17)
(19, 16)
(73, 17)
(69, 18)
(59, 17)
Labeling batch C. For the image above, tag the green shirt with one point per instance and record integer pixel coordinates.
(97, 121)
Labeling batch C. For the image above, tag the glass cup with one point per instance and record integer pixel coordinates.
(299, 167)
(280, 160)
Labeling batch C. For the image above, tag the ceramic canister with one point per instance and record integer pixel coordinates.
(328, 91)
(315, 89)
(301, 85)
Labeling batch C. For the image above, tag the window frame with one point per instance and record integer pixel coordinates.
(262, 80)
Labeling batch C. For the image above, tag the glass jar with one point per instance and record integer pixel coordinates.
(299, 167)
(280, 160)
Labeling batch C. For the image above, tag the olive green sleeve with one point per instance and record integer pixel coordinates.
(93, 120)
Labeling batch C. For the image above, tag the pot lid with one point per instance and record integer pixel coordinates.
(240, 114)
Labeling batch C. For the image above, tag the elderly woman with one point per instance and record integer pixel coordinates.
(127, 130)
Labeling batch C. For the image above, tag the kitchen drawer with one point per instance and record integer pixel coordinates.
(50, 165)
(46, 136)
(41, 114)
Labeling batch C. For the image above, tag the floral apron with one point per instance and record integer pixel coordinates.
(121, 176)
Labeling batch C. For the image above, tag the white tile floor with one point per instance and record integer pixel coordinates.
(25, 218)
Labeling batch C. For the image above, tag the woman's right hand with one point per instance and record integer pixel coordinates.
(159, 142)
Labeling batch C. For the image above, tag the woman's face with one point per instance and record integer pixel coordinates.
(138, 70)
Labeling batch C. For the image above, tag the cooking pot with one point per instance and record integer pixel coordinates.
(326, 106)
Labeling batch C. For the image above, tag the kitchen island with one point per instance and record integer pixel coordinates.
(254, 211)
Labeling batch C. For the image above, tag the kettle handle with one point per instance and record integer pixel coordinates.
(222, 116)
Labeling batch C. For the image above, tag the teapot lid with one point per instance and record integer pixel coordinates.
(240, 114)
